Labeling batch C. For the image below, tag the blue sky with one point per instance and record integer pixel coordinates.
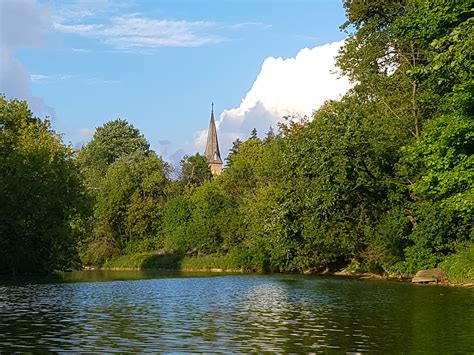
(160, 64)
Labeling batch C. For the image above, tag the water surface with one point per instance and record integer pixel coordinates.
(136, 311)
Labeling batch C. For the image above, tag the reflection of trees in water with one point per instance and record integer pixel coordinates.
(235, 313)
(32, 317)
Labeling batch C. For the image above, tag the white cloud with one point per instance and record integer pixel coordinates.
(86, 132)
(80, 50)
(242, 25)
(293, 86)
(46, 79)
(114, 23)
(175, 159)
(134, 30)
(40, 78)
(77, 10)
(99, 81)
(22, 24)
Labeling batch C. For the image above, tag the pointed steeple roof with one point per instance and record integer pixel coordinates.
(212, 152)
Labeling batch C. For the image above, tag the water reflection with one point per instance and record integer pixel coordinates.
(234, 313)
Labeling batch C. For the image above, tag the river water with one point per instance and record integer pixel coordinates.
(136, 311)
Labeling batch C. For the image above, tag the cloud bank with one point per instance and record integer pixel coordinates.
(22, 23)
(293, 86)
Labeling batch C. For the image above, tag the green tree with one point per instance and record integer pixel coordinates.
(411, 61)
(128, 207)
(111, 141)
(232, 151)
(442, 193)
(240, 178)
(335, 175)
(176, 216)
(40, 194)
(211, 207)
(254, 134)
(194, 170)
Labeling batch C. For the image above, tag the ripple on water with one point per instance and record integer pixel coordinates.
(235, 313)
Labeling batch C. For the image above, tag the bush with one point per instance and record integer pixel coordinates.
(460, 266)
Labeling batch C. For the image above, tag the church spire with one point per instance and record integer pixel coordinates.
(212, 152)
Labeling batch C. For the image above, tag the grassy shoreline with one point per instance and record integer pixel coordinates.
(225, 264)
(154, 261)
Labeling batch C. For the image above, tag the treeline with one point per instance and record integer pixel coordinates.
(380, 181)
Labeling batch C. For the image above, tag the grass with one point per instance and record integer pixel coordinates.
(144, 261)
(208, 262)
(460, 266)
(154, 261)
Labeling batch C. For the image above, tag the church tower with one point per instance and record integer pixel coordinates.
(212, 152)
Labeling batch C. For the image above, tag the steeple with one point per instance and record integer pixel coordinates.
(212, 152)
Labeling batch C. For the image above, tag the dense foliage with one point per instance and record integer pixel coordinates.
(40, 194)
(381, 180)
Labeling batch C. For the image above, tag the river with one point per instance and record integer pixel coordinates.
(136, 311)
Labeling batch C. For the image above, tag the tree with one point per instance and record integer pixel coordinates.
(232, 151)
(111, 141)
(128, 207)
(411, 59)
(211, 207)
(270, 134)
(40, 194)
(254, 134)
(194, 170)
(334, 175)
(240, 178)
(176, 215)
(441, 166)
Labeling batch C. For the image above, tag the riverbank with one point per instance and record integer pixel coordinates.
(459, 268)
(158, 261)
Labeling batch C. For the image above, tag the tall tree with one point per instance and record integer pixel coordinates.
(232, 151)
(40, 193)
(128, 207)
(111, 141)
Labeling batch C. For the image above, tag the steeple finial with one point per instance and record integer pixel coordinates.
(212, 107)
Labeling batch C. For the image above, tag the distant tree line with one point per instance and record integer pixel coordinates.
(381, 180)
